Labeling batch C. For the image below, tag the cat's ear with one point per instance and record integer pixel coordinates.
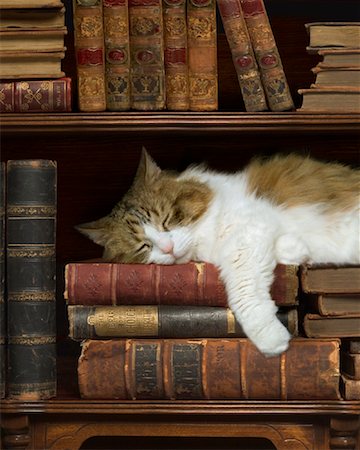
(147, 170)
(97, 231)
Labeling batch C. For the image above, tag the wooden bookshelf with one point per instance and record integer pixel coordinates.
(97, 156)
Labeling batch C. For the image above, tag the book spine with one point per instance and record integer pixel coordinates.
(98, 322)
(2, 283)
(208, 369)
(147, 71)
(151, 284)
(242, 55)
(202, 55)
(89, 51)
(175, 55)
(36, 96)
(117, 54)
(272, 73)
(31, 269)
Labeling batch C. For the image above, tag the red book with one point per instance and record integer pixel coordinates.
(36, 96)
(102, 283)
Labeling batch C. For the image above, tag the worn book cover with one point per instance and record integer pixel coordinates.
(330, 279)
(2, 283)
(45, 40)
(334, 304)
(23, 65)
(339, 326)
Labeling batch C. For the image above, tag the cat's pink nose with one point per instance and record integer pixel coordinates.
(166, 246)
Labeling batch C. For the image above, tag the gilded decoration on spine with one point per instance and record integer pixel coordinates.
(39, 296)
(91, 86)
(32, 340)
(31, 253)
(177, 84)
(31, 211)
(204, 86)
(200, 27)
(89, 26)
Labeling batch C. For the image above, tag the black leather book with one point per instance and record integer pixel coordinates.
(2, 282)
(31, 284)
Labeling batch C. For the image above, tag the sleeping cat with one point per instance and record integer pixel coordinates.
(288, 209)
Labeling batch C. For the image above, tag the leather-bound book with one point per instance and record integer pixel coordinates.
(176, 55)
(335, 304)
(99, 322)
(117, 54)
(350, 388)
(36, 96)
(31, 284)
(2, 283)
(202, 55)
(243, 56)
(208, 369)
(193, 284)
(147, 71)
(265, 48)
(23, 65)
(89, 52)
(326, 326)
(330, 279)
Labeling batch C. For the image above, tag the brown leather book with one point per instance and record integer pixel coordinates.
(147, 70)
(89, 51)
(208, 369)
(99, 322)
(243, 56)
(202, 49)
(176, 55)
(36, 96)
(41, 40)
(267, 55)
(349, 388)
(196, 284)
(23, 65)
(339, 326)
(350, 364)
(335, 304)
(117, 54)
(330, 279)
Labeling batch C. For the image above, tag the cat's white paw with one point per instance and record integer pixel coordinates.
(291, 250)
(273, 340)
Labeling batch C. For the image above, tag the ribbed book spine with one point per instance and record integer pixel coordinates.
(31, 284)
(2, 283)
(202, 51)
(176, 55)
(89, 51)
(147, 70)
(117, 54)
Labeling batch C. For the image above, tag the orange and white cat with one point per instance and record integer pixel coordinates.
(288, 209)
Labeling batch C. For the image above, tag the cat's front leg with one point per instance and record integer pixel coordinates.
(248, 276)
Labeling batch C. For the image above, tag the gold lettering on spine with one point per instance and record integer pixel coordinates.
(125, 321)
(282, 368)
(230, 322)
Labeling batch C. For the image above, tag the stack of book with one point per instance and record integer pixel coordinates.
(332, 310)
(165, 332)
(163, 55)
(336, 87)
(31, 51)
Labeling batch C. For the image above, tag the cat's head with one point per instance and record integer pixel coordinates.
(152, 222)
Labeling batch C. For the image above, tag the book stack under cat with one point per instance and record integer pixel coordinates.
(159, 331)
(332, 309)
(336, 87)
(31, 51)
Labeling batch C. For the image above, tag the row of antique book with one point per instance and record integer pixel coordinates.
(160, 331)
(154, 55)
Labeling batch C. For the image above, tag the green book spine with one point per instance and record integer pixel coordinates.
(31, 284)
(2, 283)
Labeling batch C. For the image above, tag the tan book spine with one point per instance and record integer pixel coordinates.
(176, 55)
(147, 72)
(117, 54)
(89, 50)
(267, 55)
(203, 77)
(243, 56)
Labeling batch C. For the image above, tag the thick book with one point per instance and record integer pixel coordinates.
(349, 388)
(2, 283)
(340, 57)
(330, 99)
(330, 76)
(31, 284)
(207, 369)
(147, 70)
(32, 18)
(44, 40)
(243, 57)
(350, 364)
(89, 52)
(193, 284)
(117, 54)
(100, 322)
(28, 64)
(330, 279)
(24, 4)
(341, 326)
(36, 96)
(266, 51)
(333, 34)
(176, 55)
(202, 55)
(335, 304)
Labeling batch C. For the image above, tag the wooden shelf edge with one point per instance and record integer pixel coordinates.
(59, 406)
(155, 121)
